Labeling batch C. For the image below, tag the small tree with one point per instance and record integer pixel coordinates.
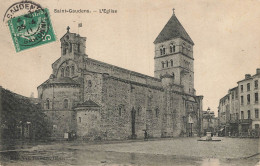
(17, 111)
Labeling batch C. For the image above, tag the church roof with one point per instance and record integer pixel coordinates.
(61, 80)
(173, 29)
(88, 103)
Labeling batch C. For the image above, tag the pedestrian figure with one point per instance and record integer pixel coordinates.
(145, 135)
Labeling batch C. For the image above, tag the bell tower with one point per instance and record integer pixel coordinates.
(174, 55)
(72, 44)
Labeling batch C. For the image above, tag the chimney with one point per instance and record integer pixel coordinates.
(247, 76)
(258, 71)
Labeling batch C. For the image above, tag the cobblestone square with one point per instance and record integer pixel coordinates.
(177, 151)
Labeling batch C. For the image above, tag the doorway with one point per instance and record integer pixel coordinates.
(133, 113)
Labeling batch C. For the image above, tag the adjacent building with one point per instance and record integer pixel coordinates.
(224, 114)
(239, 109)
(249, 102)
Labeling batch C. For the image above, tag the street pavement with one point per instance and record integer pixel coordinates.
(174, 151)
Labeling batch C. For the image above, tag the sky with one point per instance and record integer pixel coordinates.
(226, 34)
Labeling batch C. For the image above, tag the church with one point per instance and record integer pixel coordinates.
(95, 100)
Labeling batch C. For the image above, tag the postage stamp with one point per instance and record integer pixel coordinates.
(31, 30)
(20, 8)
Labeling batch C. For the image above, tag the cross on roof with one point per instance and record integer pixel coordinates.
(68, 29)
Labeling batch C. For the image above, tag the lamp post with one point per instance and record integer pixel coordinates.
(208, 136)
(209, 118)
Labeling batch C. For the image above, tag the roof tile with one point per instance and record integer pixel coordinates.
(173, 29)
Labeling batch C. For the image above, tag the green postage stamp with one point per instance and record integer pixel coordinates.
(31, 30)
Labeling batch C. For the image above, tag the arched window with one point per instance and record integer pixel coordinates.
(70, 47)
(72, 70)
(65, 47)
(67, 72)
(66, 103)
(78, 47)
(162, 50)
(167, 64)
(47, 104)
(62, 72)
(64, 50)
(173, 75)
(171, 62)
(162, 64)
(157, 112)
(172, 48)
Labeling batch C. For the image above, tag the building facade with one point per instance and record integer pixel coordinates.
(223, 114)
(249, 102)
(96, 100)
(239, 109)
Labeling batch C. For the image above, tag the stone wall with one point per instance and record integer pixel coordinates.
(173, 109)
(57, 94)
(191, 112)
(62, 119)
(61, 122)
(88, 124)
(93, 87)
(121, 99)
